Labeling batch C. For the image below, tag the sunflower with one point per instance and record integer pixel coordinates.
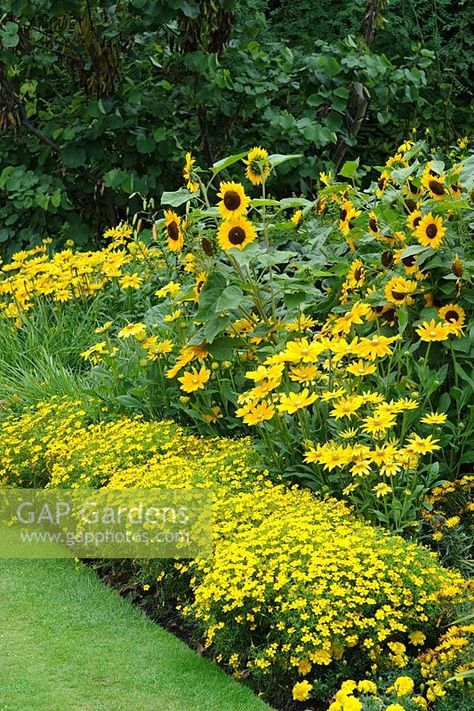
(258, 165)
(198, 287)
(434, 184)
(414, 219)
(191, 184)
(174, 231)
(373, 223)
(399, 290)
(430, 231)
(236, 233)
(382, 183)
(234, 202)
(455, 316)
(348, 215)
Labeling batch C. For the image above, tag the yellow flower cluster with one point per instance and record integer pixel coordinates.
(303, 577)
(453, 655)
(366, 694)
(65, 276)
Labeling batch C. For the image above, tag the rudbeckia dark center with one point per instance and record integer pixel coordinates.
(173, 231)
(431, 231)
(232, 200)
(436, 187)
(236, 235)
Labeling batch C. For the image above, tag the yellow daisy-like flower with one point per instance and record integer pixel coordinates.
(432, 331)
(194, 380)
(174, 231)
(191, 184)
(234, 202)
(236, 233)
(399, 290)
(430, 231)
(255, 412)
(434, 418)
(133, 330)
(130, 281)
(414, 219)
(455, 316)
(434, 184)
(258, 166)
(417, 638)
(381, 490)
(295, 401)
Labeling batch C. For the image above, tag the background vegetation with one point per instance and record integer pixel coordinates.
(141, 81)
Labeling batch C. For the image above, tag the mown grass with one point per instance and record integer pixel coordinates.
(67, 641)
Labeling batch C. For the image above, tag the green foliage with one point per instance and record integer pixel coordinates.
(100, 100)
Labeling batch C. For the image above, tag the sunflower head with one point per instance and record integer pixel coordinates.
(454, 315)
(434, 183)
(173, 230)
(430, 231)
(258, 165)
(234, 202)
(236, 233)
(191, 184)
(198, 287)
(399, 290)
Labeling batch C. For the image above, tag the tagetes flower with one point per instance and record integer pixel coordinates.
(433, 331)
(403, 685)
(233, 200)
(399, 291)
(237, 233)
(417, 638)
(173, 230)
(455, 316)
(430, 231)
(194, 380)
(258, 166)
(302, 691)
(296, 401)
(191, 184)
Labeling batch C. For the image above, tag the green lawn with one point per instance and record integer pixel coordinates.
(68, 642)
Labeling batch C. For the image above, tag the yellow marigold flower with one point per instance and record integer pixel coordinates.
(191, 184)
(194, 380)
(399, 291)
(420, 701)
(433, 331)
(236, 233)
(367, 687)
(295, 401)
(394, 707)
(304, 667)
(403, 685)
(455, 316)
(434, 418)
(430, 231)
(135, 330)
(234, 202)
(351, 704)
(130, 281)
(381, 490)
(258, 166)
(297, 217)
(174, 231)
(302, 691)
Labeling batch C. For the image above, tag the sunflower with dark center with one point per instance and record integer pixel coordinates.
(236, 233)
(258, 166)
(413, 219)
(234, 202)
(173, 231)
(348, 215)
(399, 291)
(455, 316)
(199, 285)
(430, 231)
(434, 184)
(373, 223)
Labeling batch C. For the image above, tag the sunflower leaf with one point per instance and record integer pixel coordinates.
(177, 198)
(226, 162)
(278, 158)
